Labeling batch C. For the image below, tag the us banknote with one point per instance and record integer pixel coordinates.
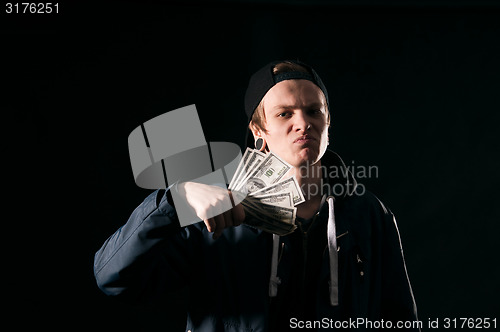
(270, 195)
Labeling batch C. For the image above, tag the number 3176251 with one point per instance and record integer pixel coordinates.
(31, 8)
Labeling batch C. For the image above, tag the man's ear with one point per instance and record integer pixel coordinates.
(255, 130)
(260, 141)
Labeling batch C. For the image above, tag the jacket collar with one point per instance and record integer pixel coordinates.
(338, 180)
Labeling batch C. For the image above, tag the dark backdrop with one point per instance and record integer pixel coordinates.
(414, 92)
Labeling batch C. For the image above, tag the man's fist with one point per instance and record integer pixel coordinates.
(213, 205)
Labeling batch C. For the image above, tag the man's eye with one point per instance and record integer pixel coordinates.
(284, 114)
(315, 112)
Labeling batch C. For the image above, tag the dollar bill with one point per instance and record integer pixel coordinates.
(281, 213)
(241, 165)
(269, 171)
(273, 212)
(280, 199)
(288, 185)
(268, 221)
(269, 202)
(248, 164)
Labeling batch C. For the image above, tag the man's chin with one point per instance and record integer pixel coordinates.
(308, 159)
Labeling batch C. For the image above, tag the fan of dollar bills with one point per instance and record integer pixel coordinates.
(270, 201)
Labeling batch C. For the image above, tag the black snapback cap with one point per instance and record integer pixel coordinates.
(264, 79)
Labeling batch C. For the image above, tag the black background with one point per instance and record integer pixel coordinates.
(414, 89)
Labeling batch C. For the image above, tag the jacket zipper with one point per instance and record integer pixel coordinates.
(304, 248)
(304, 253)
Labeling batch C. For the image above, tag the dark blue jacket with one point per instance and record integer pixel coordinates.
(228, 278)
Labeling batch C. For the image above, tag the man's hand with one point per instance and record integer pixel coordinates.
(213, 205)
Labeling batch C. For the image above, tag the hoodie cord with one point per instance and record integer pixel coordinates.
(274, 280)
(333, 253)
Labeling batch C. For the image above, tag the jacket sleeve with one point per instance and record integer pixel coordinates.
(398, 302)
(148, 255)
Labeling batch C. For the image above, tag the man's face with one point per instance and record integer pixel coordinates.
(296, 122)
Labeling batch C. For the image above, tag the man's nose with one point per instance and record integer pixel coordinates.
(302, 121)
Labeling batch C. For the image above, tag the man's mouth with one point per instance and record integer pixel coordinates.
(304, 139)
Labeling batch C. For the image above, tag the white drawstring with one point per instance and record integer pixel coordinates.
(274, 280)
(333, 254)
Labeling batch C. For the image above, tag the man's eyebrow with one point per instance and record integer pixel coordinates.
(308, 106)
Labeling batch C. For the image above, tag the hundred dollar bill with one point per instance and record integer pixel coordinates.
(248, 164)
(284, 214)
(280, 199)
(288, 185)
(242, 163)
(268, 223)
(271, 209)
(269, 171)
(272, 212)
(278, 213)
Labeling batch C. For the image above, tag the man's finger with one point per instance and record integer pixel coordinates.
(210, 223)
(238, 215)
(228, 218)
(220, 224)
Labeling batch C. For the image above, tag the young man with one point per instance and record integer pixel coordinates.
(342, 268)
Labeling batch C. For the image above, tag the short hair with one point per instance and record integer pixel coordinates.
(259, 117)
